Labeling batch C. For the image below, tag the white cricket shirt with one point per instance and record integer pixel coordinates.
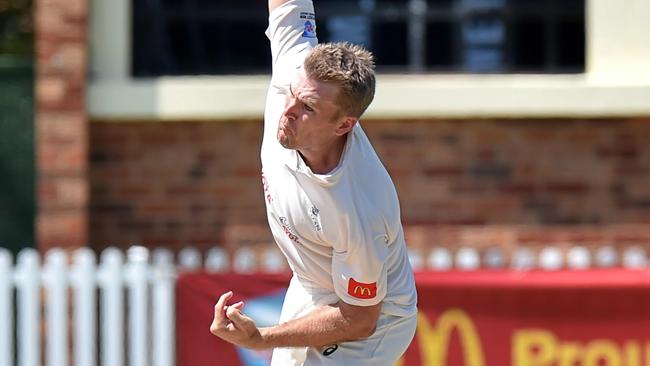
(340, 232)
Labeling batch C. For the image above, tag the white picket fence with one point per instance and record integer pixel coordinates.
(132, 292)
(123, 309)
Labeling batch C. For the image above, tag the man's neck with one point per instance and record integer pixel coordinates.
(326, 158)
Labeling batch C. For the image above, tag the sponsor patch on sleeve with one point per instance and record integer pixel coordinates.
(310, 29)
(309, 22)
(362, 290)
(307, 15)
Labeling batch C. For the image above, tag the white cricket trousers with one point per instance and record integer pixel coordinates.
(383, 348)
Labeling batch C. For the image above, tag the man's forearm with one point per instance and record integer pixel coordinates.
(324, 326)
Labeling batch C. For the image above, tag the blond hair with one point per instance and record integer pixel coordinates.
(348, 65)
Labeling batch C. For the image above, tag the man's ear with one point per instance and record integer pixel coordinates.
(345, 125)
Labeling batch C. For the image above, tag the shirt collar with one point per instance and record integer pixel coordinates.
(296, 163)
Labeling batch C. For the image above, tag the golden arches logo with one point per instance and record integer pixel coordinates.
(362, 291)
(434, 341)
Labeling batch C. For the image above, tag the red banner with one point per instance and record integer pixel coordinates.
(483, 318)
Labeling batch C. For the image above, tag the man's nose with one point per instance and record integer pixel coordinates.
(291, 108)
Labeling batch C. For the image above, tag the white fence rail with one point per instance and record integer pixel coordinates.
(136, 292)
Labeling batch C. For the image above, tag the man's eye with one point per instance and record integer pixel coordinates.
(308, 108)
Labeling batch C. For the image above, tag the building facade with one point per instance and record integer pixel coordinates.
(502, 158)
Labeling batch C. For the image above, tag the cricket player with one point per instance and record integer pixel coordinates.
(332, 208)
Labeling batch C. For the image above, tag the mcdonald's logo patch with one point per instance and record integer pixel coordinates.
(362, 290)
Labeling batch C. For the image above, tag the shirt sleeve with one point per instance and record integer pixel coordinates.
(292, 32)
(359, 271)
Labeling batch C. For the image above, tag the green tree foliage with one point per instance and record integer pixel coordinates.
(17, 175)
(16, 27)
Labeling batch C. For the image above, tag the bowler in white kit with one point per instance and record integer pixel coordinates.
(331, 206)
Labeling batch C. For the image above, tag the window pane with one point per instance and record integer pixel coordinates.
(483, 41)
(440, 45)
(390, 44)
(188, 37)
(571, 41)
(529, 43)
(440, 3)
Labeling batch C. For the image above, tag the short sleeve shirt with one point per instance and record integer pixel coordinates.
(340, 231)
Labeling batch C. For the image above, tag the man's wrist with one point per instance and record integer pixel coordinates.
(263, 342)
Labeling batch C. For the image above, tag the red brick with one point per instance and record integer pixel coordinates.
(443, 171)
(554, 163)
(516, 189)
(567, 187)
(133, 191)
(63, 193)
(166, 209)
(46, 192)
(61, 125)
(62, 228)
(539, 235)
(51, 23)
(59, 158)
(632, 169)
(185, 190)
(51, 90)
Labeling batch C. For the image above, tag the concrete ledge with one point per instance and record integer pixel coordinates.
(398, 96)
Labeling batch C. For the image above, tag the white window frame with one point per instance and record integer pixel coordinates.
(616, 82)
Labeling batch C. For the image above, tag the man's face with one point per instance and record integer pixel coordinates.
(309, 120)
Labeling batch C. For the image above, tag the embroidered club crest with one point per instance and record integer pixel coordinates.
(313, 214)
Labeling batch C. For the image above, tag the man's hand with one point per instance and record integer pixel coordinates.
(231, 325)
(275, 3)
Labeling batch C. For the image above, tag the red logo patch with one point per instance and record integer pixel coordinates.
(362, 290)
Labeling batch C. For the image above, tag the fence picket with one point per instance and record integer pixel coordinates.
(6, 306)
(110, 281)
(137, 282)
(189, 259)
(55, 281)
(29, 316)
(163, 311)
(83, 276)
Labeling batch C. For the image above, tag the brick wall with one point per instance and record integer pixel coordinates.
(461, 182)
(61, 123)
(175, 184)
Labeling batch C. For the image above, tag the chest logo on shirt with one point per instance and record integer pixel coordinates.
(313, 214)
(362, 290)
(291, 233)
